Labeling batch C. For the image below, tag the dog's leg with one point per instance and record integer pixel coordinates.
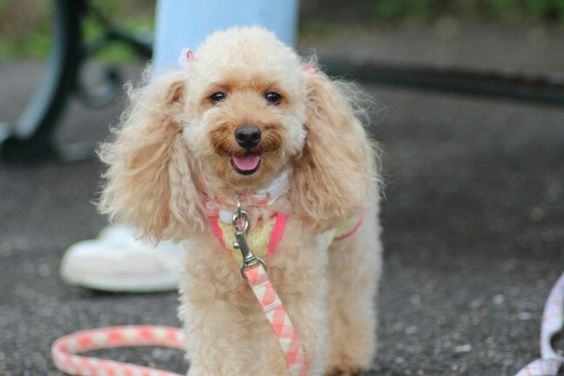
(354, 271)
(299, 272)
(223, 323)
(227, 332)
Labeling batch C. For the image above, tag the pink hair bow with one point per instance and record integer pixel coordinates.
(186, 55)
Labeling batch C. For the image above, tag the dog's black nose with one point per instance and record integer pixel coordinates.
(248, 136)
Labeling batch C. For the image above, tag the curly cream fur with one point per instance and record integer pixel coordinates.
(336, 171)
(172, 137)
(148, 182)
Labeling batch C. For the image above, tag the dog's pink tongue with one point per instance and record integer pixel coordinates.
(246, 162)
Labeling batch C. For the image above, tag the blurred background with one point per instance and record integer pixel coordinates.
(470, 117)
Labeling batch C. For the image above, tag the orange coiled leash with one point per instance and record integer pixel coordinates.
(64, 349)
(253, 270)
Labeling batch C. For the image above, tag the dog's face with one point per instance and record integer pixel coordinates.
(244, 109)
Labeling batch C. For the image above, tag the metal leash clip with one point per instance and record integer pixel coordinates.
(242, 225)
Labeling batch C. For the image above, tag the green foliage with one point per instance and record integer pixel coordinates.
(24, 28)
(392, 10)
(540, 11)
(314, 29)
(26, 25)
(116, 51)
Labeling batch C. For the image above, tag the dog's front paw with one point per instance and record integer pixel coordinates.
(351, 371)
(352, 358)
(350, 364)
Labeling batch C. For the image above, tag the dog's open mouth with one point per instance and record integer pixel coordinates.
(246, 164)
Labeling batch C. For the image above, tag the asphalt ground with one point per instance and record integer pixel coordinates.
(473, 221)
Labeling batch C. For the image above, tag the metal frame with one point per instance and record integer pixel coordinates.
(32, 137)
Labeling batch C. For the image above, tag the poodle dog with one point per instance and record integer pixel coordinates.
(246, 119)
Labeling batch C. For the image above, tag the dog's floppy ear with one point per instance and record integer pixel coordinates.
(149, 180)
(336, 174)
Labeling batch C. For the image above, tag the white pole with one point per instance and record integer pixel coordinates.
(185, 23)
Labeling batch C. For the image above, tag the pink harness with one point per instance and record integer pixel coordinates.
(275, 236)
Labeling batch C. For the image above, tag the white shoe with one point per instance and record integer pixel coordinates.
(116, 262)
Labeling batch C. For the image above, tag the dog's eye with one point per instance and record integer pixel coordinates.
(273, 97)
(217, 96)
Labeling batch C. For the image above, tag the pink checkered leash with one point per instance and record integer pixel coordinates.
(253, 269)
(552, 323)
